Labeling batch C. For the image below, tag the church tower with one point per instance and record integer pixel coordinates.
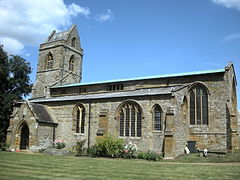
(59, 62)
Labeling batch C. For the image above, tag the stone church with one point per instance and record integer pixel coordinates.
(161, 113)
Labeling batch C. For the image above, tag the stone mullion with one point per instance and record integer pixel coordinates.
(80, 118)
(201, 105)
(124, 122)
(127, 119)
(136, 112)
(76, 126)
(130, 120)
(195, 105)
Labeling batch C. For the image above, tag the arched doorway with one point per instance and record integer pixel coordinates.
(24, 141)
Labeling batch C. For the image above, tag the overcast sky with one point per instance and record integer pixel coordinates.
(129, 38)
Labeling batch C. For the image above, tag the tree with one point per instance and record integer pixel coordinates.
(14, 84)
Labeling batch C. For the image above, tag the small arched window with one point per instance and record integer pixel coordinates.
(157, 118)
(198, 105)
(130, 120)
(184, 108)
(79, 120)
(71, 63)
(73, 44)
(49, 61)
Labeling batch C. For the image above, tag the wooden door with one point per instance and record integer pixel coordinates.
(24, 142)
(168, 146)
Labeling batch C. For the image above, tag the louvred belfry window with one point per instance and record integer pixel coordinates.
(130, 120)
(71, 63)
(73, 44)
(49, 61)
(198, 105)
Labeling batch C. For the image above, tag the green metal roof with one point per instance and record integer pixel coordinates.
(144, 78)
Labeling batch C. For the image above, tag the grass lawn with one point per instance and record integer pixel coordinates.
(40, 166)
(211, 158)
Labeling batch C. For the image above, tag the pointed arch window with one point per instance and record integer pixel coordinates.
(198, 105)
(71, 63)
(157, 118)
(73, 43)
(130, 120)
(79, 121)
(49, 61)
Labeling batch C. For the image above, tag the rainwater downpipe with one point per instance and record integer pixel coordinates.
(89, 125)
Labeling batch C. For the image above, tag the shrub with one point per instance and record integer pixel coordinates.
(59, 144)
(2, 140)
(130, 150)
(107, 146)
(152, 156)
(149, 156)
(79, 147)
(4, 146)
(93, 151)
(142, 155)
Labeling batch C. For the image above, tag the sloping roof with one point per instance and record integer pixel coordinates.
(41, 113)
(55, 36)
(146, 78)
(59, 36)
(120, 94)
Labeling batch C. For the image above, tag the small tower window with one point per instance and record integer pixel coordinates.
(49, 61)
(71, 63)
(73, 42)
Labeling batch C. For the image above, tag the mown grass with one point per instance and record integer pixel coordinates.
(40, 166)
(210, 158)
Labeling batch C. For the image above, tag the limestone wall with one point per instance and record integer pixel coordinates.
(24, 115)
(212, 136)
(61, 51)
(63, 113)
(44, 134)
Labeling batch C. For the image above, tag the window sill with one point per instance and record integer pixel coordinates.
(198, 125)
(126, 137)
(158, 131)
(79, 134)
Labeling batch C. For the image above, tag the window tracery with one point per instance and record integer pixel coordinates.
(198, 105)
(79, 119)
(130, 120)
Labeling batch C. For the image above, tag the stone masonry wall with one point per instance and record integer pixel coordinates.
(44, 134)
(24, 115)
(150, 140)
(216, 120)
(212, 136)
(59, 74)
(181, 134)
